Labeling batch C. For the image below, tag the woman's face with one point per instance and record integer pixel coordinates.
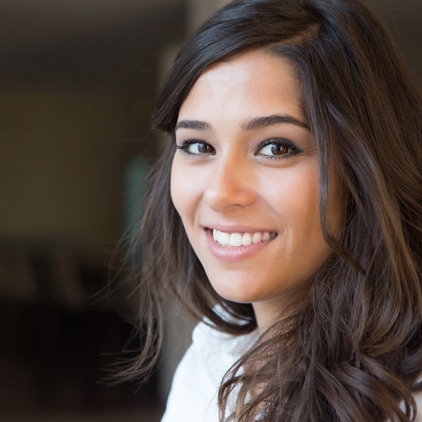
(245, 181)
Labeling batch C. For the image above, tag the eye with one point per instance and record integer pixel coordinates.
(196, 147)
(277, 149)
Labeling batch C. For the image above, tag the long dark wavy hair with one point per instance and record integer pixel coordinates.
(349, 348)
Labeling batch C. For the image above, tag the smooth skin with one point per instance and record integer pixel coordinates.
(246, 163)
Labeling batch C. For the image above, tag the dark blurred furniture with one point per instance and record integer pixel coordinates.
(58, 334)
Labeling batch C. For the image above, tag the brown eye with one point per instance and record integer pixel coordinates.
(277, 148)
(203, 148)
(196, 147)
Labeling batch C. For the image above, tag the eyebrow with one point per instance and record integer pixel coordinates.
(192, 124)
(274, 119)
(252, 124)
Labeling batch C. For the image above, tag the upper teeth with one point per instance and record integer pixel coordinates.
(240, 239)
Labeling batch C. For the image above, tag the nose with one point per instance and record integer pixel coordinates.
(230, 184)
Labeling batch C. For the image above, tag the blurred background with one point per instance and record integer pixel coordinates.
(78, 79)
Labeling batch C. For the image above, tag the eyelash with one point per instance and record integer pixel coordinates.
(280, 142)
(187, 143)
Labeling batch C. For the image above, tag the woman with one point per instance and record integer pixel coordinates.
(286, 214)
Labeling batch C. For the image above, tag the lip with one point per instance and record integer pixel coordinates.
(235, 253)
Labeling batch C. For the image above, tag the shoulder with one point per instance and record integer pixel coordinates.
(193, 395)
(219, 350)
(191, 391)
(418, 400)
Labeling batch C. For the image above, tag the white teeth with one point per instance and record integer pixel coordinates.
(256, 237)
(240, 239)
(224, 238)
(247, 239)
(235, 239)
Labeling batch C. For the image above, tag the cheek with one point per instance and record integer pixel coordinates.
(297, 197)
(176, 186)
(183, 190)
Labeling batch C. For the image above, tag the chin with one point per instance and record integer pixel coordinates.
(238, 294)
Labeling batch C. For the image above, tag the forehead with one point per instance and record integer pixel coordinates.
(258, 59)
(256, 81)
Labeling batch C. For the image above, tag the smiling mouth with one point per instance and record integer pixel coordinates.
(241, 239)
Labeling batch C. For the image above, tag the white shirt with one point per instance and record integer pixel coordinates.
(194, 390)
(193, 394)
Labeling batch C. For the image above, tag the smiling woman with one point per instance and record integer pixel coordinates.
(286, 215)
(241, 128)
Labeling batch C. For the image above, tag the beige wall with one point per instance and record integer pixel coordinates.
(77, 88)
(63, 153)
(200, 10)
